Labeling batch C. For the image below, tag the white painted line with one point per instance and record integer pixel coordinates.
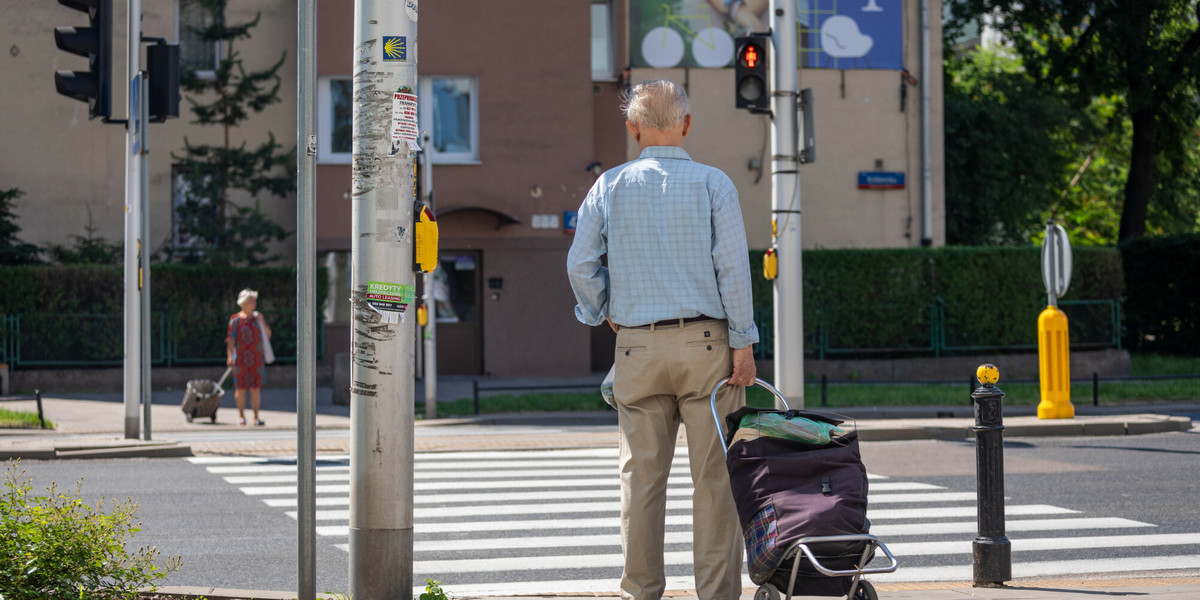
(285, 489)
(963, 547)
(912, 498)
(947, 512)
(243, 469)
(1048, 568)
(884, 531)
(612, 541)
(605, 523)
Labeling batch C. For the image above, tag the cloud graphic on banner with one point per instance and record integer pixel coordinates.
(840, 38)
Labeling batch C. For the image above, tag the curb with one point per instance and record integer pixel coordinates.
(80, 449)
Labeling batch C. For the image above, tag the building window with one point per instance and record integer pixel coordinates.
(335, 124)
(603, 45)
(183, 241)
(448, 107)
(195, 53)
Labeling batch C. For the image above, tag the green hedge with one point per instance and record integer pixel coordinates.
(898, 300)
(197, 300)
(1163, 294)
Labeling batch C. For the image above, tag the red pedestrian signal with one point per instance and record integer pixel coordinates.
(750, 73)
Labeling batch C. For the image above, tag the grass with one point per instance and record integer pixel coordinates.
(19, 419)
(1161, 364)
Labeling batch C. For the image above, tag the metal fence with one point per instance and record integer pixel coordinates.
(29, 340)
(937, 329)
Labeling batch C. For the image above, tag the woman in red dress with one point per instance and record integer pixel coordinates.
(244, 353)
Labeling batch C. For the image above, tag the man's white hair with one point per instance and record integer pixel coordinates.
(656, 104)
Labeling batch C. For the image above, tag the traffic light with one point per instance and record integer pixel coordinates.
(163, 92)
(750, 73)
(95, 43)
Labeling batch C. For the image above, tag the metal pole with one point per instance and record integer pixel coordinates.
(144, 264)
(383, 336)
(785, 209)
(475, 394)
(991, 549)
(926, 130)
(1095, 389)
(429, 299)
(133, 221)
(824, 390)
(306, 301)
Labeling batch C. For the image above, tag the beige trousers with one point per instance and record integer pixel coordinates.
(665, 375)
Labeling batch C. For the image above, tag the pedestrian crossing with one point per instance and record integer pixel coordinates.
(546, 521)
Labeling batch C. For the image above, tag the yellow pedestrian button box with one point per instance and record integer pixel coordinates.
(770, 265)
(425, 240)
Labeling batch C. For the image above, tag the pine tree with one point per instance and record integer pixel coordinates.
(12, 250)
(225, 232)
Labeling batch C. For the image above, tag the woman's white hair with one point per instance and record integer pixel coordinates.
(656, 104)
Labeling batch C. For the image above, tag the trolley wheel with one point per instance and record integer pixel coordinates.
(189, 416)
(866, 591)
(767, 591)
(214, 416)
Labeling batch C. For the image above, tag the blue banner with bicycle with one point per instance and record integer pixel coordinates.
(831, 34)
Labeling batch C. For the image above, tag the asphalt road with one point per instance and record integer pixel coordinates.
(230, 538)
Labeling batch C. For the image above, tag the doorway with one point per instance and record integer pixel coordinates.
(457, 287)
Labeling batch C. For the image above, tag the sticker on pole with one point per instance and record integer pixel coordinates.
(395, 48)
(1056, 261)
(390, 300)
(404, 120)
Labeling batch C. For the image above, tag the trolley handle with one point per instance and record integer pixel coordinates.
(717, 418)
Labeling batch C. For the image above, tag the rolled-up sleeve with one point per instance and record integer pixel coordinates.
(731, 259)
(588, 276)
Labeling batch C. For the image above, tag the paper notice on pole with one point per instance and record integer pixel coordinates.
(404, 119)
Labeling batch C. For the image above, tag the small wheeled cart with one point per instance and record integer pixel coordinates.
(801, 493)
(203, 397)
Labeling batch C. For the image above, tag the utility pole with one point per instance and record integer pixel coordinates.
(383, 339)
(133, 221)
(306, 301)
(427, 296)
(785, 210)
(143, 159)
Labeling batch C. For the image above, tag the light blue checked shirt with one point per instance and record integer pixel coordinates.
(676, 245)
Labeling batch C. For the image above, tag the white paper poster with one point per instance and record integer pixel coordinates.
(404, 119)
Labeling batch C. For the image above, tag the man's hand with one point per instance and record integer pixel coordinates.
(614, 326)
(744, 370)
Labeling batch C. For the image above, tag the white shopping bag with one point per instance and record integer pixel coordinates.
(606, 387)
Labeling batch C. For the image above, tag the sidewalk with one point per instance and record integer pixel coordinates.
(92, 427)
(1165, 588)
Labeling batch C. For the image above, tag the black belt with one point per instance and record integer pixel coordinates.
(677, 322)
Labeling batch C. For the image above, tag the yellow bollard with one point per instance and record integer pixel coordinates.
(1054, 365)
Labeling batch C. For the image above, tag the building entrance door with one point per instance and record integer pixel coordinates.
(457, 287)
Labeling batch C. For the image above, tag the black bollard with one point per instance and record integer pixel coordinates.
(991, 549)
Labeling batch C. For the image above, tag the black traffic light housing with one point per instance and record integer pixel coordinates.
(95, 43)
(751, 74)
(163, 90)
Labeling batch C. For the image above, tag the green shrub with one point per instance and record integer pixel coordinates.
(57, 547)
(1162, 309)
(898, 300)
(197, 300)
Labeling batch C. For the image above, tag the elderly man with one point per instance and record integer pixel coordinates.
(677, 293)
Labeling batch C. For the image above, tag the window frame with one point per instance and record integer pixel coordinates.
(425, 120)
(217, 49)
(611, 74)
(326, 155)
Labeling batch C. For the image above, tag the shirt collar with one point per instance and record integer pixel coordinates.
(665, 152)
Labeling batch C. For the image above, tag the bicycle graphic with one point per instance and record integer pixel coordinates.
(663, 46)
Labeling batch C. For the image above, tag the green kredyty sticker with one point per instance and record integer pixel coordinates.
(394, 297)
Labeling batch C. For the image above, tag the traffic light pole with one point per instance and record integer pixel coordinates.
(306, 301)
(383, 338)
(428, 297)
(133, 221)
(785, 209)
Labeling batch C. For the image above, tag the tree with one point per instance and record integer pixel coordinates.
(89, 249)
(223, 231)
(12, 250)
(1146, 52)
